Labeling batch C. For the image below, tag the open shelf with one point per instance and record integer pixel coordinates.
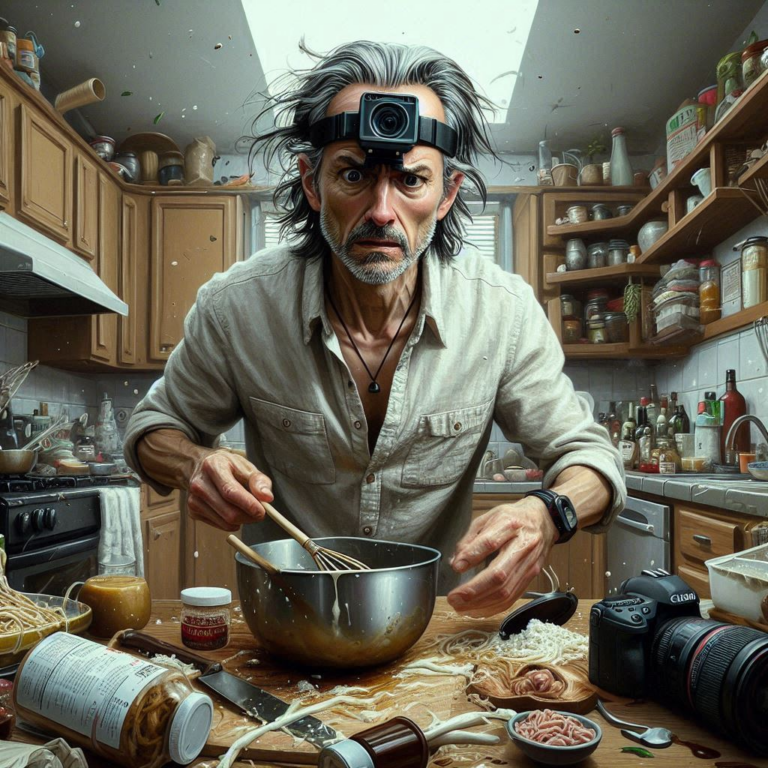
(723, 212)
(600, 275)
(758, 171)
(618, 351)
(736, 321)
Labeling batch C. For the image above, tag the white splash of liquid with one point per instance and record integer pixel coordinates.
(336, 610)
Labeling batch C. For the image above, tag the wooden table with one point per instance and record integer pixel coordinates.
(608, 754)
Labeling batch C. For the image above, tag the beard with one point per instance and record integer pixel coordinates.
(377, 267)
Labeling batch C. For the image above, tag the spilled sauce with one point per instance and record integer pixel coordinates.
(705, 753)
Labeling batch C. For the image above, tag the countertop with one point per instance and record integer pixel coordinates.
(730, 494)
(608, 754)
(491, 486)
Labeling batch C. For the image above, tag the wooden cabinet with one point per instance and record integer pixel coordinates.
(45, 192)
(701, 533)
(161, 525)
(579, 564)
(209, 560)
(192, 239)
(86, 240)
(525, 231)
(6, 145)
(129, 288)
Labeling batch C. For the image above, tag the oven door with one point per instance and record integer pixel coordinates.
(51, 570)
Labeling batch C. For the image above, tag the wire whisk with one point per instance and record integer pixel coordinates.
(325, 559)
(761, 331)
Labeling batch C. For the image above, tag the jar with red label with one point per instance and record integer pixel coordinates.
(205, 617)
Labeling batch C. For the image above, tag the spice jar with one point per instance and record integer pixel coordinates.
(205, 617)
(575, 254)
(709, 291)
(577, 214)
(597, 299)
(571, 331)
(616, 328)
(8, 36)
(754, 270)
(26, 58)
(569, 307)
(634, 254)
(596, 326)
(617, 252)
(126, 710)
(601, 212)
(596, 255)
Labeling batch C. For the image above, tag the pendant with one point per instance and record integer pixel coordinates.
(374, 388)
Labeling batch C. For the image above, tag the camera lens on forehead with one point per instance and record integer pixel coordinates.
(389, 120)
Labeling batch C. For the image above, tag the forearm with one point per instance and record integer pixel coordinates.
(170, 457)
(590, 493)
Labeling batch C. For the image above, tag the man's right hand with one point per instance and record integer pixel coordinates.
(225, 490)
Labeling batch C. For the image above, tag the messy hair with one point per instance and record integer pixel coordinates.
(384, 65)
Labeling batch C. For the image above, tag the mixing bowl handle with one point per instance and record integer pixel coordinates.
(253, 556)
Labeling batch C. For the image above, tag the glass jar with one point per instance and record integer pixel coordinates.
(669, 459)
(596, 325)
(575, 254)
(634, 254)
(751, 64)
(130, 711)
(118, 565)
(571, 331)
(601, 212)
(616, 328)
(205, 618)
(594, 307)
(709, 291)
(596, 255)
(754, 270)
(569, 307)
(577, 214)
(623, 210)
(618, 250)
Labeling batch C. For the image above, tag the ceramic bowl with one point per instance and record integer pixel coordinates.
(550, 755)
(758, 469)
(650, 232)
(515, 475)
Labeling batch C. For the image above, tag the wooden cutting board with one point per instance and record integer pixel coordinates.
(437, 695)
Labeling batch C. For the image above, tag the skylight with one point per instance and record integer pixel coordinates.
(486, 38)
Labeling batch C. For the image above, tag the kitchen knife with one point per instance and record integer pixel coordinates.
(251, 699)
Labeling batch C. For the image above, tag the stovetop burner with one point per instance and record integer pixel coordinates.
(32, 484)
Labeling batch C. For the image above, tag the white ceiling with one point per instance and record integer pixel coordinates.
(631, 64)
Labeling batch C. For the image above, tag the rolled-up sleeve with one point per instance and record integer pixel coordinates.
(196, 394)
(538, 407)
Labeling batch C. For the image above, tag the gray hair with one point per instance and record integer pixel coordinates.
(384, 65)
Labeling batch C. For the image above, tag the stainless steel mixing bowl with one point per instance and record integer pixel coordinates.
(344, 619)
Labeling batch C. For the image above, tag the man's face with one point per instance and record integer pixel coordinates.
(379, 221)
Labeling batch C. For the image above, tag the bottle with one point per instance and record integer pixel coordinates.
(709, 291)
(85, 447)
(107, 436)
(707, 435)
(669, 459)
(672, 403)
(642, 419)
(127, 710)
(621, 169)
(734, 405)
(630, 425)
(682, 422)
(653, 406)
(712, 406)
(661, 424)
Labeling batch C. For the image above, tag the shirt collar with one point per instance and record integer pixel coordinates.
(313, 300)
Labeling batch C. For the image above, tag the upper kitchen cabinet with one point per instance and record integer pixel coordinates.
(192, 239)
(86, 207)
(6, 144)
(45, 173)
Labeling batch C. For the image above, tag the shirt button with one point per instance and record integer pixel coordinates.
(358, 424)
(370, 478)
(457, 426)
(367, 530)
(286, 423)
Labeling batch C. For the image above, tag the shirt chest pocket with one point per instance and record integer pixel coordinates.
(295, 442)
(444, 446)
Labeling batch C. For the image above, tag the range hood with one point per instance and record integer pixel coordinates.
(40, 278)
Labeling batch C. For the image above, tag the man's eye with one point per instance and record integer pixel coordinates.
(352, 175)
(412, 180)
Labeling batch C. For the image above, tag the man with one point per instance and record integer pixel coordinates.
(369, 359)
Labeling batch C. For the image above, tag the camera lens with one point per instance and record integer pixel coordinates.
(389, 120)
(717, 671)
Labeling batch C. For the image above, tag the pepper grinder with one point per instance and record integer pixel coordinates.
(398, 743)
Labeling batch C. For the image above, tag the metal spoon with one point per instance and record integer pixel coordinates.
(655, 738)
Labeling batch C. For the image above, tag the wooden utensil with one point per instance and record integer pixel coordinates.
(325, 559)
(252, 555)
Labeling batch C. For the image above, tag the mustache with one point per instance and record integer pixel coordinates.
(370, 231)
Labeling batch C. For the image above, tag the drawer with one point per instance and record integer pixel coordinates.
(702, 537)
(698, 580)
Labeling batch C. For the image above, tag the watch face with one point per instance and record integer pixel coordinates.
(567, 511)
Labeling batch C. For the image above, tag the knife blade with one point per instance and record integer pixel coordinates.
(249, 698)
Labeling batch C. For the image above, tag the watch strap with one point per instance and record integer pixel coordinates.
(549, 497)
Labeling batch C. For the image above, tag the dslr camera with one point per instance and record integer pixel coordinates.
(650, 639)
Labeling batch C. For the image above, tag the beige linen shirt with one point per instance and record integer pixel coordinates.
(258, 346)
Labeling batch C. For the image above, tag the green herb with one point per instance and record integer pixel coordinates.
(158, 118)
(127, 93)
(638, 751)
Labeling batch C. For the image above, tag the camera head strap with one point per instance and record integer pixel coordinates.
(387, 126)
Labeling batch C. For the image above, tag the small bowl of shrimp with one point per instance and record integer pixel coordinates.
(554, 738)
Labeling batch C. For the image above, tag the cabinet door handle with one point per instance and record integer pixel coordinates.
(701, 539)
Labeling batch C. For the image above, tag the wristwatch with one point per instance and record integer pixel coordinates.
(561, 511)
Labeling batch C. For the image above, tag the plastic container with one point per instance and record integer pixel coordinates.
(126, 710)
(205, 618)
(739, 582)
(754, 270)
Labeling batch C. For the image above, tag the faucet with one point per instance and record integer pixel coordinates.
(729, 438)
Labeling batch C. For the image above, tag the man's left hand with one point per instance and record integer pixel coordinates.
(522, 533)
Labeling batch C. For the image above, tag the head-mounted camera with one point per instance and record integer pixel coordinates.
(387, 126)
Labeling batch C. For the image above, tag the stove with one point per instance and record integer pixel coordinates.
(52, 528)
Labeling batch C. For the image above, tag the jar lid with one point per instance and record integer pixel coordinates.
(617, 131)
(708, 263)
(756, 240)
(755, 48)
(104, 139)
(190, 727)
(599, 206)
(596, 320)
(206, 596)
(615, 316)
(618, 244)
(597, 293)
(566, 297)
